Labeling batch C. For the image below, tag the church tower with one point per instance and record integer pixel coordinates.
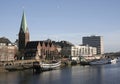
(23, 37)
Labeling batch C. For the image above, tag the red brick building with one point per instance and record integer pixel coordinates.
(41, 50)
(34, 49)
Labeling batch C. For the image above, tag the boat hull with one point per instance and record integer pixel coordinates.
(99, 62)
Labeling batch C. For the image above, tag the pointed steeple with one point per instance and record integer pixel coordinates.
(24, 26)
(23, 37)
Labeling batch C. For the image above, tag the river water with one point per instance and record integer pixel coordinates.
(100, 74)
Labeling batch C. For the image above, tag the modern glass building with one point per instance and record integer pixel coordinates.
(94, 41)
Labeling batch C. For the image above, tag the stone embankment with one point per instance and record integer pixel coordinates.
(19, 66)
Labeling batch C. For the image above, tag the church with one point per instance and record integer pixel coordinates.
(39, 50)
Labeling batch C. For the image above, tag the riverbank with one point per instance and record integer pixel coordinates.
(2, 69)
(64, 63)
(18, 68)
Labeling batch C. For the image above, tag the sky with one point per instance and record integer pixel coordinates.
(63, 20)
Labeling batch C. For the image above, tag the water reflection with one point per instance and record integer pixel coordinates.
(102, 74)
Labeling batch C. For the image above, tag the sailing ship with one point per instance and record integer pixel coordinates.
(41, 66)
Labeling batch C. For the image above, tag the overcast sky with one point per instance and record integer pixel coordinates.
(63, 20)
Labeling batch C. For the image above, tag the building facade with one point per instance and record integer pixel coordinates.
(74, 52)
(41, 50)
(7, 52)
(61, 47)
(94, 41)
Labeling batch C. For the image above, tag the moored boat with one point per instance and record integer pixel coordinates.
(112, 61)
(45, 66)
(99, 62)
(41, 66)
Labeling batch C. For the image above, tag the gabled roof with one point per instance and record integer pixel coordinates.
(23, 26)
(41, 42)
(32, 44)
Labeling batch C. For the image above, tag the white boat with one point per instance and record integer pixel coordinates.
(41, 66)
(112, 61)
(99, 62)
(50, 66)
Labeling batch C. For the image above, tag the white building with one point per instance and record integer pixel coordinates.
(74, 52)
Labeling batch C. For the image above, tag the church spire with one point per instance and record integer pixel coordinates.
(24, 26)
(23, 34)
